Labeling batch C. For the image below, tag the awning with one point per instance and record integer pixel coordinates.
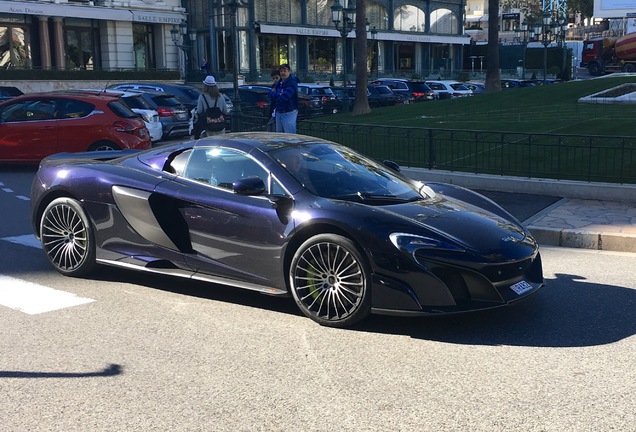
(90, 12)
(381, 35)
(475, 18)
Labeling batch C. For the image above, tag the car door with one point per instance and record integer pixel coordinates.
(233, 236)
(29, 129)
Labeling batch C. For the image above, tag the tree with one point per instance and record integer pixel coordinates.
(361, 105)
(493, 78)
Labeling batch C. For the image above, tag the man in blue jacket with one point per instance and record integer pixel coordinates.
(284, 97)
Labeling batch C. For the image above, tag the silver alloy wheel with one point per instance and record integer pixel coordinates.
(329, 283)
(103, 146)
(66, 238)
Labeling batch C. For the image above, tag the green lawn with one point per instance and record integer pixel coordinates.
(542, 109)
(539, 131)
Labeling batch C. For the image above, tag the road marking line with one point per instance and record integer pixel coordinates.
(22, 197)
(33, 299)
(7, 190)
(25, 240)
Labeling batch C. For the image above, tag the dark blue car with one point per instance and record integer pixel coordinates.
(285, 215)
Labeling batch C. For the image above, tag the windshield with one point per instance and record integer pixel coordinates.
(338, 172)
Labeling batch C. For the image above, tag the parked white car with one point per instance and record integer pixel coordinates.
(446, 89)
(138, 105)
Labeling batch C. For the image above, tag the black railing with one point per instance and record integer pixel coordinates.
(564, 157)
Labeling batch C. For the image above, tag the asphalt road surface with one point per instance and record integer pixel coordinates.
(125, 351)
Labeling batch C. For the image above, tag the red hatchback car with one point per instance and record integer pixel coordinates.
(34, 126)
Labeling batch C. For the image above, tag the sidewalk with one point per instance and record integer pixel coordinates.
(597, 216)
(589, 224)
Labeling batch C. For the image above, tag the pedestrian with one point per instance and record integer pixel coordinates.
(209, 98)
(204, 65)
(271, 124)
(284, 96)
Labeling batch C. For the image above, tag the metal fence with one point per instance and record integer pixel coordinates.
(565, 157)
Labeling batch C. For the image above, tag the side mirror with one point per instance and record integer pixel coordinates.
(249, 186)
(391, 165)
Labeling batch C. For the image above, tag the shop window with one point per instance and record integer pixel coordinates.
(281, 11)
(377, 15)
(143, 46)
(319, 12)
(274, 51)
(15, 50)
(409, 18)
(444, 21)
(81, 45)
(321, 55)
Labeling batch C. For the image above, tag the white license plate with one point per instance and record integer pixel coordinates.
(521, 287)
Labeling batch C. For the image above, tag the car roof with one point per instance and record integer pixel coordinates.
(313, 85)
(153, 84)
(151, 92)
(69, 94)
(445, 81)
(119, 92)
(390, 79)
(265, 141)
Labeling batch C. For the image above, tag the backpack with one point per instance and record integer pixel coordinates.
(214, 118)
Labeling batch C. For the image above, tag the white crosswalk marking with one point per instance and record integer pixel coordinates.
(29, 297)
(32, 298)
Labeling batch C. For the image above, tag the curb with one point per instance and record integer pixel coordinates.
(584, 239)
(609, 240)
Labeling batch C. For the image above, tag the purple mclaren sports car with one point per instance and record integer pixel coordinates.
(287, 215)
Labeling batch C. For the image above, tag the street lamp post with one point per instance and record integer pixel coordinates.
(343, 18)
(551, 28)
(179, 39)
(525, 34)
(374, 35)
(236, 114)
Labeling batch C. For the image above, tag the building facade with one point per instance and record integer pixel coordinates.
(409, 38)
(89, 34)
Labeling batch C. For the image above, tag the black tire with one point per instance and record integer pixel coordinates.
(595, 69)
(330, 281)
(67, 238)
(103, 146)
(629, 68)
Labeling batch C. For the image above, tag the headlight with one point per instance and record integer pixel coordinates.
(410, 243)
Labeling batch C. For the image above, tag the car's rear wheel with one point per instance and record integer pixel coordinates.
(103, 146)
(629, 68)
(330, 281)
(67, 238)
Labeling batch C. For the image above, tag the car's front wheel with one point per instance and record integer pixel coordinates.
(330, 281)
(67, 238)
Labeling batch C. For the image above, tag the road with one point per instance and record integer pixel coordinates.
(146, 353)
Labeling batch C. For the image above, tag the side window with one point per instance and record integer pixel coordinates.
(222, 167)
(15, 112)
(30, 110)
(71, 108)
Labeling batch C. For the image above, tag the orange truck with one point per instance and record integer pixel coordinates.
(607, 55)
